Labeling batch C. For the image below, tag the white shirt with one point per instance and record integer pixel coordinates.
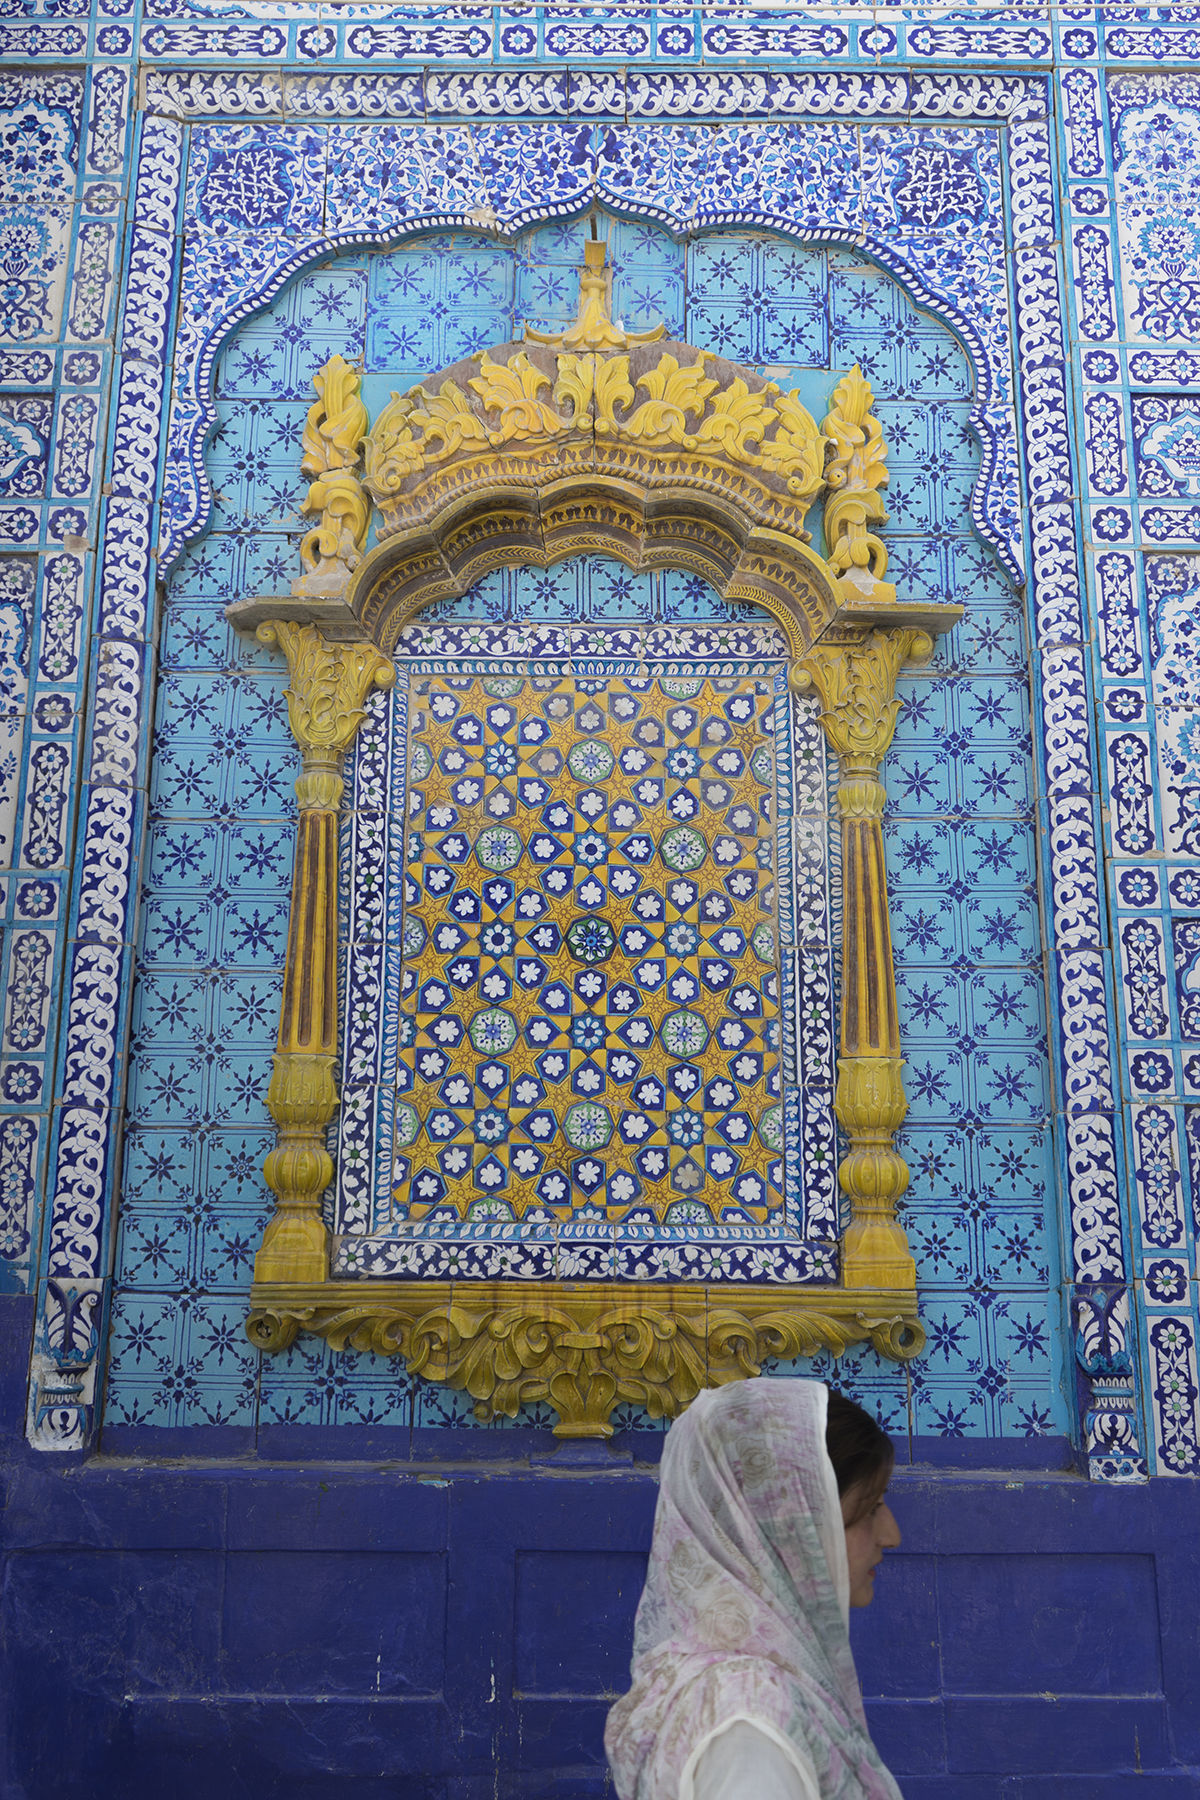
(748, 1760)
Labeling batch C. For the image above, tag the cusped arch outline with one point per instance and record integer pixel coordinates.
(214, 309)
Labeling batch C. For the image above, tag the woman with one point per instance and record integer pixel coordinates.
(771, 1519)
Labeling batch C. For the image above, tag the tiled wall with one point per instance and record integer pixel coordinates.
(960, 838)
(63, 174)
(899, 130)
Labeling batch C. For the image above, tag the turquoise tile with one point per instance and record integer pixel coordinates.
(1009, 1084)
(169, 1010)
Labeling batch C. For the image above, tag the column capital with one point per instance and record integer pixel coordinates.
(854, 677)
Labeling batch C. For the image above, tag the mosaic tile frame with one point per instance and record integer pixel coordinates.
(800, 1247)
(1092, 1172)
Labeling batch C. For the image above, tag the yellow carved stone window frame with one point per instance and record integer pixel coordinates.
(593, 442)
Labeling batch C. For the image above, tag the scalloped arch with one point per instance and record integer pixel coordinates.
(995, 504)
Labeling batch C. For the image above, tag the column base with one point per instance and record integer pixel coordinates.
(876, 1255)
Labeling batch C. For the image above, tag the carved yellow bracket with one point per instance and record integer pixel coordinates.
(584, 1347)
(327, 688)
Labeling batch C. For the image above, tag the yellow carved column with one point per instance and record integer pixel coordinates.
(853, 669)
(856, 683)
(328, 684)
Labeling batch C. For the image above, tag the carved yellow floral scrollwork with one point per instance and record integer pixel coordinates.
(856, 472)
(684, 407)
(586, 1349)
(512, 389)
(333, 433)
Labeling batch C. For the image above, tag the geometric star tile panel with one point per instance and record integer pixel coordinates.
(590, 988)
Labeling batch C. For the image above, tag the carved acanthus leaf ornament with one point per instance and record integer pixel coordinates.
(589, 1347)
(856, 472)
(333, 433)
(610, 393)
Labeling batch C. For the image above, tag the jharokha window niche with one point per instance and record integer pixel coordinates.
(589, 1064)
(593, 1099)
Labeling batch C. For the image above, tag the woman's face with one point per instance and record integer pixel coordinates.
(872, 1531)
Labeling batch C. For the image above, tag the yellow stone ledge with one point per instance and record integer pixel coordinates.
(584, 1347)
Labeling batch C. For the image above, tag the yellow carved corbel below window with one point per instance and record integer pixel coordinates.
(593, 442)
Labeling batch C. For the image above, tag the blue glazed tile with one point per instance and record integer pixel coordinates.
(156, 1250)
(995, 783)
(920, 853)
(996, 854)
(945, 1409)
(656, 170)
(647, 275)
(758, 303)
(993, 710)
(313, 1384)
(944, 1245)
(925, 929)
(1002, 928)
(932, 1006)
(515, 161)
(253, 933)
(384, 176)
(795, 177)
(1009, 1085)
(919, 781)
(1015, 1247)
(938, 1164)
(245, 1009)
(434, 302)
(1023, 1335)
(257, 858)
(1007, 1006)
(936, 1085)
(256, 177)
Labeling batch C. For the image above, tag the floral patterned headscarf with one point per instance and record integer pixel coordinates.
(746, 1604)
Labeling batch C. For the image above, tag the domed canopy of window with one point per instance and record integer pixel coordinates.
(595, 440)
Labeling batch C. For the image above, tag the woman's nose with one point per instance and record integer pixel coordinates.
(888, 1532)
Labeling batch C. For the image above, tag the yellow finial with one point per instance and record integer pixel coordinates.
(594, 328)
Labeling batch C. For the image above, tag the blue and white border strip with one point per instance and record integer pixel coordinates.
(80, 1222)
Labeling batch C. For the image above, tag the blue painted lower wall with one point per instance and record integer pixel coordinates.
(441, 1630)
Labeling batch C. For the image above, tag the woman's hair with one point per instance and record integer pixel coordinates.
(859, 1449)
